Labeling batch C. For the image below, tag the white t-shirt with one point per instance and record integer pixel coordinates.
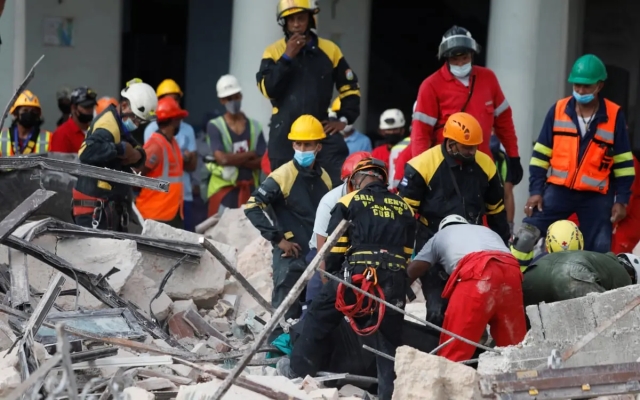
(323, 213)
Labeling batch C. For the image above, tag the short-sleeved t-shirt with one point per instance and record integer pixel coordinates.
(323, 213)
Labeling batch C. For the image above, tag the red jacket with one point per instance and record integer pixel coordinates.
(67, 138)
(442, 94)
(382, 153)
(626, 234)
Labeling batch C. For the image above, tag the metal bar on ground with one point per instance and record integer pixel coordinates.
(64, 349)
(211, 248)
(44, 306)
(378, 353)
(400, 310)
(292, 297)
(353, 378)
(77, 169)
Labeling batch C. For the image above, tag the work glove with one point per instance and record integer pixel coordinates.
(516, 170)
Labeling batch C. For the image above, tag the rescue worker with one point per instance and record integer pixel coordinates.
(484, 285)
(297, 74)
(164, 161)
(569, 272)
(186, 138)
(626, 234)
(64, 105)
(293, 191)
(582, 161)
(501, 159)
(69, 136)
(237, 145)
(103, 103)
(109, 144)
(562, 235)
(321, 224)
(377, 245)
(453, 178)
(461, 86)
(24, 135)
(356, 140)
(391, 128)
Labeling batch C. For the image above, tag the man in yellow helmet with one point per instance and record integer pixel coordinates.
(24, 135)
(568, 272)
(298, 74)
(293, 191)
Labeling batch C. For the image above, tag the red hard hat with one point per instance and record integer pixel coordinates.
(169, 108)
(350, 163)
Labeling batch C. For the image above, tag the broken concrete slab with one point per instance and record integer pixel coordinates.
(205, 390)
(140, 289)
(233, 229)
(255, 258)
(153, 384)
(135, 393)
(261, 281)
(202, 282)
(9, 380)
(561, 324)
(179, 306)
(424, 376)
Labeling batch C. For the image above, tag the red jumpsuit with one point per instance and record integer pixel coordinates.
(382, 153)
(627, 232)
(442, 94)
(484, 289)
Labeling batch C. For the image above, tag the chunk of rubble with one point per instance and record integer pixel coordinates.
(234, 229)
(9, 380)
(204, 391)
(135, 393)
(561, 324)
(255, 258)
(423, 376)
(201, 282)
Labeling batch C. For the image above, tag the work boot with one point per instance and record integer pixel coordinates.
(283, 368)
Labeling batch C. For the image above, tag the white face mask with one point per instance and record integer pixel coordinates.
(460, 71)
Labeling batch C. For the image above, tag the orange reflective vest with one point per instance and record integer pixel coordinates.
(591, 172)
(159, 206)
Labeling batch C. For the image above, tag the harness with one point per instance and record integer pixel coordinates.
(98, 208)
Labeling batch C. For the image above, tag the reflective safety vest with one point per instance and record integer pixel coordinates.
(9, 148)
(393, 155)
(591, 173)
(216, 180)
(160, 206)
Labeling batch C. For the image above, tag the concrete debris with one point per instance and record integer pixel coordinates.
(153, 384)
(233, 229)
(424, 376)
(136, 393)
(9, 380)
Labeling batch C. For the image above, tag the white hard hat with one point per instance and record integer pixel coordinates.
(631, 261)
(227, 85)
(142, 99)
(450, 220)
(392, 119)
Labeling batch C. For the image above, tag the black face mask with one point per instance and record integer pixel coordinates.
(29, 119)
(64, 107)
(84, 118)
(393, 138)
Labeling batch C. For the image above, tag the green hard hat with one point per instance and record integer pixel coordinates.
(588, 70)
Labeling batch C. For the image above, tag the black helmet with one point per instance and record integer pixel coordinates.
(457, 40)
(83, 96)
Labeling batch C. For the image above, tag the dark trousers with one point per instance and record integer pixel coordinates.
(314, 286)
(286, 272)
(433, 282)
(309, 351)
(187, 211)
(109, 219)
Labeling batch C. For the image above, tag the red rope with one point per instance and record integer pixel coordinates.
(368, 281)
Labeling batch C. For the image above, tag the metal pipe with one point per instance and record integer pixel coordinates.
(435, 351)
(378, 353)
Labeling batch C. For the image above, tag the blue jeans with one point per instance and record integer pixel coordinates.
(187, 211)
(314, 285)
(593, 210)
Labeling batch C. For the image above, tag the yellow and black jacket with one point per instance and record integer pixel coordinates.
(429, 189)
(382, 229)
(101, 148)
(293, 192)
(304, 85)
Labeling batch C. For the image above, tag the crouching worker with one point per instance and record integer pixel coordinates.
(293, 191)
(109, 144)
(164, 162)
(484, 285)
(371, 254)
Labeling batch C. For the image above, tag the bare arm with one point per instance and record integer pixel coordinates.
(234, 160)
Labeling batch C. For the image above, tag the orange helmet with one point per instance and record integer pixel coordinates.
(105, 102)
(370, 166)
(169, 108)
(463, 128)
(351, 162)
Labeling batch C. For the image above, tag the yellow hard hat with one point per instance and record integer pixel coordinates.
(26, 99)
(335, 106)
(290, 7)
(563, 235)
(168, 86)
(306, 128)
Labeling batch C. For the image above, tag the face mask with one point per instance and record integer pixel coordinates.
(84, 118)
(233, 106)
(393, 138)
(64, 107)
(460, 71)
(129, 124)
(304, 158)
(583, 98)
(29, 119)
